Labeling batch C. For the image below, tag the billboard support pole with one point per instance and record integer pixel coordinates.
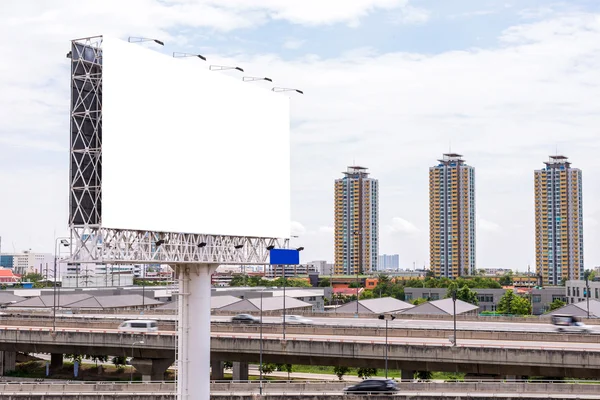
(193, 347)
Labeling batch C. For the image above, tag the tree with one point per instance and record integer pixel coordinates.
(464, 294)
(74, 357)
(268, 368)
(556, 304)
(227, 365)
(96, 359)
(119, 361)
(32, 277)
(366, 373)
(506, 279)
(354, 285)
(367, 294)
(424, 375)
(324, 282)
(340, 371)
(513, 305)
(418, 301)
(238, 280)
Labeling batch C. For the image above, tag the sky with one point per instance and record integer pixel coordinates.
(389, 84)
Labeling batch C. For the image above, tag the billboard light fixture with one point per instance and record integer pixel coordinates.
(300, 249)
(202, 244)
(179, 55)
(271, 247)
(223, 68)
(280, 89)
(133, 39)
(238, 246)
(256, 78)
(159, 242)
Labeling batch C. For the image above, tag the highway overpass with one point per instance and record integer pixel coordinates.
(495, 356)
(296, 390)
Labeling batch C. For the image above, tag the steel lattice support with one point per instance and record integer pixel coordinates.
(117, 246)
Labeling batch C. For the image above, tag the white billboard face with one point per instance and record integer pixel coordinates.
(186, 149)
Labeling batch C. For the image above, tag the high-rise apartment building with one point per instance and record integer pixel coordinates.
(558, 222)
(356, 222)
(452, 217)
(388, 262)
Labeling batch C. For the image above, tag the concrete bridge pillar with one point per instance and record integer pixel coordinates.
(152, 369)
(216, 370)
(407, 375)
(240, 371)
(56, 361)
(8, 360)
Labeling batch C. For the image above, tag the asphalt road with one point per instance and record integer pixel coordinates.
(369, 322)
(591, 347)
(545, 345)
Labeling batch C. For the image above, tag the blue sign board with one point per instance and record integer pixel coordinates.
(284, 257)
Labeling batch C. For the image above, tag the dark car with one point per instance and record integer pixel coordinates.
(245, 319)
(373, 386)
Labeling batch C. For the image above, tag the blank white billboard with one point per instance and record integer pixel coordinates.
(186, 149)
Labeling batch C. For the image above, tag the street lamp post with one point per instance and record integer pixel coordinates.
(131, 369)
(587, 294)
(454, 312)
(65, 242)
(382, 316)
(260, 368)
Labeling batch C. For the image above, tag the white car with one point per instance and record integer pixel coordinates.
(297, 319)
(569, 323)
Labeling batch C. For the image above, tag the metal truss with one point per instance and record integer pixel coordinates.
(117, 246)
(85, 201)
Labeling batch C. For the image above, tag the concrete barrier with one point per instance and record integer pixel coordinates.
(410, 332)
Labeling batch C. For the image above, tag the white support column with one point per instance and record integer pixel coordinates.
(193, 352)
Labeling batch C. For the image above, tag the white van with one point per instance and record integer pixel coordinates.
(139, 325)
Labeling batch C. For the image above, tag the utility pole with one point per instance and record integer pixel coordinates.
(391, 317)
(454, 312)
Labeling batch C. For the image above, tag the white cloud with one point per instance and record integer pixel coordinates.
(293, 44)
(411, 16)
(400, 226)
(297, 228)
(487, 226)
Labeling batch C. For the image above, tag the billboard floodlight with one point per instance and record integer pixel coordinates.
(223, 68)
(178, 55)
(255, 78)
(203, 244)
(280, 89)
(159, 242)
(270, 247)
(238, 246)
(300, 248)
(133, 39)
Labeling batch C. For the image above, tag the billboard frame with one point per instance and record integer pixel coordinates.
(93, 243)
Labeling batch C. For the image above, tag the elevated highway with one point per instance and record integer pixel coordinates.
(495, 356)
(299, 391)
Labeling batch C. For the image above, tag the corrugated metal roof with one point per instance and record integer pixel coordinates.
(375, 306)
(443, 306)
(268, 304)
(579, 309)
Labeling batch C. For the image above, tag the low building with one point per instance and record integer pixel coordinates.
(322, 267)
(443, 307)
(277, 271)
(268, 304)
(576, 291)
(373, 306)
(579, 309)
